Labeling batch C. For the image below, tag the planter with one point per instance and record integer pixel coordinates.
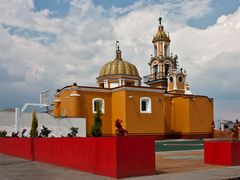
(116, 157)
(225, 152)
(18, 147)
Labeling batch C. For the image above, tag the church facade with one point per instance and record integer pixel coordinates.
(165, 109)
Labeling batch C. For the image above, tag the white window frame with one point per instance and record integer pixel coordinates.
(149, 106)
(102, 108)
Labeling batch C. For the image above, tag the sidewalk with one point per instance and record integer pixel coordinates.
(170, 165)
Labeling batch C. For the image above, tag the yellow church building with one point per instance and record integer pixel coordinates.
(164, 108)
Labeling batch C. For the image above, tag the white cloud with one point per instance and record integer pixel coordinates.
(85, 40)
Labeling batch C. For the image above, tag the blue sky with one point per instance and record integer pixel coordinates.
(48, 44)
(219, 7)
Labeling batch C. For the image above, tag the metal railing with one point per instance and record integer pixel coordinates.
(154, 77)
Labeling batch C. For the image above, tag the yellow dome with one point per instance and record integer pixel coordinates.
(118, 67)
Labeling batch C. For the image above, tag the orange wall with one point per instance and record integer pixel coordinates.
(201, 114)
(170, 86)
(170, 114)
(138, 122)
(82, 107)
(180, 115)
(118, 108)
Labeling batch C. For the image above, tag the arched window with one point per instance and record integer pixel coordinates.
(145, 105)
(155, 68)
(97, 102)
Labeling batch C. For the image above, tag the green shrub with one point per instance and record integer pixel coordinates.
(3, 133)
(15, 134)
(34, 128)
(45, 132)
(23, 132)
(73, 132)
(96, 129)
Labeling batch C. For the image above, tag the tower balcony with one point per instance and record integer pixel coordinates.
(156, 77)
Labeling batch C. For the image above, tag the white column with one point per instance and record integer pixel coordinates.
(168, 50)
(17, 120)
(106, 85)
(163, 46)
(155, 49)
(136, 83)
(174, 82)
(120, 82)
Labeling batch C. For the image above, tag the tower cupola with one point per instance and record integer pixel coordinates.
(161, 41)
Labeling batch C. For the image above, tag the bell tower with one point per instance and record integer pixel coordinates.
(163, 65)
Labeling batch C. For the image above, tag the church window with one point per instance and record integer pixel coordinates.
(97, 102)
(155, 68)
(167, 67)
(145, 105)
(171, 79)
(180, 79)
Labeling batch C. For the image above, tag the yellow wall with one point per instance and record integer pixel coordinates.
(168, 115)
(180, 115)
(144, 122)
(118, 108)
(170, 86)
(172, 113)
(82, 107)
(201, 114)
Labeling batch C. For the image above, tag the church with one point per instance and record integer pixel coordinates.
(165, 108)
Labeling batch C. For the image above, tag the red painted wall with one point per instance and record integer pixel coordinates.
(222, 152)
(95, 155)
(108, 156)
(135, 156)
(19, 147)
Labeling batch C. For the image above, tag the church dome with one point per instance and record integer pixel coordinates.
(118, 67)
(118, 73)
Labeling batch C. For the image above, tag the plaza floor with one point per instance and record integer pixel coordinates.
(172, 165)
(181, 161)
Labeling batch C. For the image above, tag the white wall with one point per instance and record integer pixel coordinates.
(58, 126)
(113, 85)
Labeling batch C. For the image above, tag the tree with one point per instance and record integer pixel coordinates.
(34, 128)
(96, 129)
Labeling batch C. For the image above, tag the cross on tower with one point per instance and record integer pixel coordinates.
(160, 20)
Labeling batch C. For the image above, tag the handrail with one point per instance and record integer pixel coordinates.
(154, 77)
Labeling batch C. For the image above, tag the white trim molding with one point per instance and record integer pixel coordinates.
(148, 105)
(102, 104)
